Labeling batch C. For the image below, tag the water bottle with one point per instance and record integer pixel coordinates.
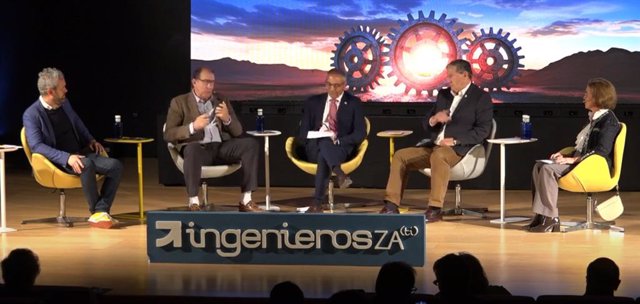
(117, 127)
(260, 121)
(525, 127)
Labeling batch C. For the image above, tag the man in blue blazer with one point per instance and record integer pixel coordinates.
(54, 130)
(337, 113)
(460, 119)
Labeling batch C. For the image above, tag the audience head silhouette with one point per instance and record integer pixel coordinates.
(603, 277)
(395, 282)
(452, 276)
(286, 293)
(478, 281)
(349, 296)
(20, 269)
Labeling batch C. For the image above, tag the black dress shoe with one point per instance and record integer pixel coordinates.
(314, 209)
(548, 224)
(389, 209)
(433, 215)
(535, 222)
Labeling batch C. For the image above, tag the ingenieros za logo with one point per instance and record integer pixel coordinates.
(231, 242)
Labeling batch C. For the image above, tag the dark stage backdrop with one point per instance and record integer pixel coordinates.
(119, 57)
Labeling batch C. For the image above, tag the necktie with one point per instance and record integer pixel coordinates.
(332, 118)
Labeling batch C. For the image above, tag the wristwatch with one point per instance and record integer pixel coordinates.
(455, 142)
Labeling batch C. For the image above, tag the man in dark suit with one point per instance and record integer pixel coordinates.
(54, 130)
(461, 118)
(339, 114)
(206, 131)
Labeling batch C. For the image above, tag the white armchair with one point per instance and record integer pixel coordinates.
(469, 167)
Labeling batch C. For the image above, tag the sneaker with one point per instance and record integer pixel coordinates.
(101, 220)
(113, 220)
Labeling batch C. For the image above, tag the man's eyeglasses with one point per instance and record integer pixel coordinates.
(207, 81)
(335, 85)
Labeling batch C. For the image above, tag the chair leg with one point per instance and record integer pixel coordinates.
(458, 210)
(205, 192)
(330, 194)
(589, 223)
(62, 218)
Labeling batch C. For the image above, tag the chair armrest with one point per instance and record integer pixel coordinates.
(288, 147)
(355, 162)
(567, 150)
(592, 174)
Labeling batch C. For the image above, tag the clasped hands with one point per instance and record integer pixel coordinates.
(563, 160)
(221, 112)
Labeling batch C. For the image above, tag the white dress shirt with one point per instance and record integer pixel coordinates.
(456, 100)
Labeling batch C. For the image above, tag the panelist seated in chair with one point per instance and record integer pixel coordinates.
(340, 114)
(54, 130)
(461, 118)
(597, 137)
(206, 131)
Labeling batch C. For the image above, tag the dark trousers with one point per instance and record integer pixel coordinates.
(329, 157)
(244, 150)
(112, 171)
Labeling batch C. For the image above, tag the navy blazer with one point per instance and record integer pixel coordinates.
(351, 125)
(470, 123)
(41, 137)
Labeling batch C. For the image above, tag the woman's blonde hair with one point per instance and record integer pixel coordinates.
(603, 92)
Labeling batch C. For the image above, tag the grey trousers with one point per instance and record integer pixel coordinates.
(244, 150)
(544, 187)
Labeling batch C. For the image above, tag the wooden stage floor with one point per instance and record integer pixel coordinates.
(525, 263)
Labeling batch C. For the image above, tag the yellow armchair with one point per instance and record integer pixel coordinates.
(591, 175)
(50, 176)
(311, 168)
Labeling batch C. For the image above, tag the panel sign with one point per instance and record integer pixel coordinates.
(285, 238)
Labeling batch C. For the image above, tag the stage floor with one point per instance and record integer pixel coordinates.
(525, 263)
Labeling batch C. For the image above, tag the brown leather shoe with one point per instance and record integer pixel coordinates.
(194, 207)
(315, 209)
(433, 215)
(387, 210)
(248, 207)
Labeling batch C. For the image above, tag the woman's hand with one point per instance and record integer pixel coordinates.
(565, 160)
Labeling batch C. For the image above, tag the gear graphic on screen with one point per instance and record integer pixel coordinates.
(420, 50)
(494, 60)
(358, 55)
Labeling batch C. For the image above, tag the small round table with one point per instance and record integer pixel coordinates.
(391, 134)
(266, 134)
(138, 141)
(3, 195)
(502, 142)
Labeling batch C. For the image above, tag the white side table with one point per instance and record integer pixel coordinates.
(502, 142)
(267, 179)
(3, 184)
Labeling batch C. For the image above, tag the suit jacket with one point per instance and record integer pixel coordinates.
(351, 125)
(183, 110)
(470, 123)
(40, 135)
(602, 137)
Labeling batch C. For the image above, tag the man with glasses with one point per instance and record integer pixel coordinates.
(206, 131)
(339, 115)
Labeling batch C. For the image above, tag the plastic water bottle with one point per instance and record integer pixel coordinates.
(525, 127)
(260, 121)
(117, 127)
